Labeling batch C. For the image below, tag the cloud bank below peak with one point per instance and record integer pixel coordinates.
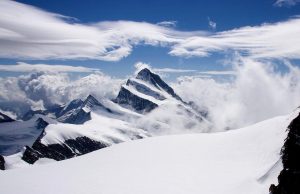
(53, 36)
(257, 92)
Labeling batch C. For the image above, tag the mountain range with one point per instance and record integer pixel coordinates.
(145, 106)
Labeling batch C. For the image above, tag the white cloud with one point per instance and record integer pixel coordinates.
(286, 3)
(161, 71)
(212, 24)
(141, 65)
(25, 67)
(258, 92)
(31, 33)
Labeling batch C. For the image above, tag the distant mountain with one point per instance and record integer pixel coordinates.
(75, 112)
(78, 111)
(4, 118)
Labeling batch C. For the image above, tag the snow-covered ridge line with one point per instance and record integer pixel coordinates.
(141, 95)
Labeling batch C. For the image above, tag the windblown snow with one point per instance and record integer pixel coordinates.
(245, 160)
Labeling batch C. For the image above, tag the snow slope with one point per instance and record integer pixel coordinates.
(239, 161)
(100, 128)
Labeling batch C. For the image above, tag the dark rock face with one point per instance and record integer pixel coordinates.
(30, 156)
(128, 99)
(154, 79)
(2, 162)
(145, 90)
(289, 178)
(41, 123)
(92, 103)
(4, 118)
(70, 148)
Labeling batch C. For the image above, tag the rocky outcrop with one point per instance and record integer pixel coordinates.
(70, 148)
(30, 155)
(2, 162)
(289, 178)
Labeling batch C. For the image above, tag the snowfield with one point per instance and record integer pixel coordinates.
(242, 161)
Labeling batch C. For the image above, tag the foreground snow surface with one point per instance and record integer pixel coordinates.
(244, 161)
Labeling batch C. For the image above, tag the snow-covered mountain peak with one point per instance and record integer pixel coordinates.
(154, 79)
(92, 103)
(145, 92)
(78, 111)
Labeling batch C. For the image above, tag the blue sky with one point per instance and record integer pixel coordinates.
(189, 16)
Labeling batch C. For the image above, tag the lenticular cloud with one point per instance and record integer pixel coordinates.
(53, 36)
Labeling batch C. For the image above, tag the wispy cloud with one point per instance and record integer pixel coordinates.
(167, 23)
(173, 70)
(25, 67)
(217, 72)
(277, 40)
(286, 3)
(212, 24)
(27, 32)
